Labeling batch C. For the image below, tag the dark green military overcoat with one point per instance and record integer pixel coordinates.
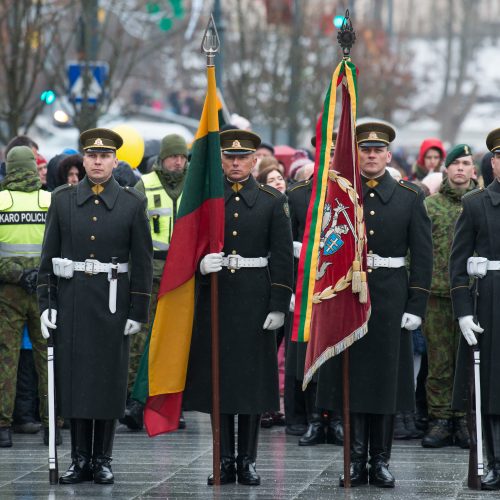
(478, 233)
(257, 224)
(91, 352)
(381, 363)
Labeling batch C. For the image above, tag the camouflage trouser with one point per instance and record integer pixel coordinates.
(17, 307)
(442, 335)
(138, 341)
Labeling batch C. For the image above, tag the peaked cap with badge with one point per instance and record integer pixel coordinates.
(239, 142)
(493, 141)
(100, 140)
(374, 134)
(458, 151)
(334, 140)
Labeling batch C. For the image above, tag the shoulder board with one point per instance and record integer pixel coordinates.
(134, 192)
(6, 200)
(269, 189)
(62, 188)
(473, 193)
(410, 186)
(300, 184)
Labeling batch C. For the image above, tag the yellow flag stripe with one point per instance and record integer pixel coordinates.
(209, 121)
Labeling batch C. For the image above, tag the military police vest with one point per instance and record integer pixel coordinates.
(160, 211)
(22, 222)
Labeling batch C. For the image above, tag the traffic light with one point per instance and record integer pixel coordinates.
(338, 21)
(48, 96)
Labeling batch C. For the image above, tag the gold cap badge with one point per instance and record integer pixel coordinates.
(236, 144)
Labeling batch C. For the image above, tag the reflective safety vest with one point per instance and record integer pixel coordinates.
(162, 211)
(22, 222)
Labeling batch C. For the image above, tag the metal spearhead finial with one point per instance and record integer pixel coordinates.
(346, 35)
(211, 43)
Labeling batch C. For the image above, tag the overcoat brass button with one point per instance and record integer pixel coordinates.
(92, 237)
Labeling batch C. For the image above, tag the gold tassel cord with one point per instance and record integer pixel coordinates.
(363, 294)
(356, 277)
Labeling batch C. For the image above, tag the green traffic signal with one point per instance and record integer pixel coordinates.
(48, 96)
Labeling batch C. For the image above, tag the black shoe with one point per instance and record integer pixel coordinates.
(491, 481)
(247, 473)
(79, 471)
(296, 429)
(335, 433)
(102, 471)
(5, 437)
(278, 418)
(400, 430)
(134, 415)
(266, 421)
(439, 434)
(227, 472)
(27, 428)
(315, 434)
(411, 426)
(59, 439)
(182, 421)
(358, 473)
(380, 476)
(461, 436)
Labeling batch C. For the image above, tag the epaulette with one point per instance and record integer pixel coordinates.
(62, 188)
(300, 184)
(270, 190)
(473, 192)
(135, 192)
(410, 186)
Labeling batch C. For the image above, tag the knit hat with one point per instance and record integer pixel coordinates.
(456, 152)
(172, 145)
(20, 158)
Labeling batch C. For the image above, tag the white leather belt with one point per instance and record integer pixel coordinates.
(92, 266)
(374, 261)
(237, 261)
(494, 265)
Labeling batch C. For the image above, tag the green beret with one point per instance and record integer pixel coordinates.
(100, 140)
(238, 142)
(173, 145)
(457, 152)
(20, 159)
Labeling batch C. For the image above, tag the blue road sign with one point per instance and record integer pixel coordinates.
(99, 72)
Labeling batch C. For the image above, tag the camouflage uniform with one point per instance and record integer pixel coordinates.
(441, 331)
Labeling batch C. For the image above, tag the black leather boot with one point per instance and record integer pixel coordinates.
(248, 437)
(461, 435)
(440, 434)
(359, 450)
(491, 426)
(104, 433)
(5, 437)
(381, 434)
(315, 433)
(227, 461)
(81, 446)
(335, 429)
(134, 415)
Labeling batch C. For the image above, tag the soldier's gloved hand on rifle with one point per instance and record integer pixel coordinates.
(48, 321)
(410, 321)
(468, 327)
(274, 320)
(131, 327)
(297, 247)
(28, 280)
(211, 263)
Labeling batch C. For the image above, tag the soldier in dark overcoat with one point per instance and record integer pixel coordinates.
(255, 285)
(381, 363)
(97, 252)
(477, 233)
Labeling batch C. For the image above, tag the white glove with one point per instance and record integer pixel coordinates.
(211, 263)
(274, 320)
(297, 247)
(468, 327)
(410, 321)
(292, 303)
(48, 321)
(131, 327)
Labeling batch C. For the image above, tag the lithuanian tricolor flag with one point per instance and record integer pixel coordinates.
(199, 230)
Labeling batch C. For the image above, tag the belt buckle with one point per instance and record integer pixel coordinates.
(370, 261)
(232, 262)
(90, 265)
